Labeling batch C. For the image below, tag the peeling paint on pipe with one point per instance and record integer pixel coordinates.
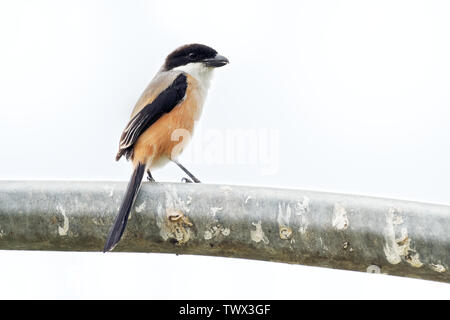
(311, 228)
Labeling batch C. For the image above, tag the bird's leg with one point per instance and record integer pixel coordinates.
(149, 176)
(187, 172)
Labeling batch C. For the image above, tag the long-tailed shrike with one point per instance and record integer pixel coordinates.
(169, 106)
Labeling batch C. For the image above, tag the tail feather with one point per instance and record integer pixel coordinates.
(122, 217)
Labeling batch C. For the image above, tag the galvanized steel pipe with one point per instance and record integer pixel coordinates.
(293, 226)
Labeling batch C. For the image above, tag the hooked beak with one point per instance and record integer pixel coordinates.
(217, 61)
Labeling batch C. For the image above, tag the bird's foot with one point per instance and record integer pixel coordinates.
(149, 176)
(196, 180)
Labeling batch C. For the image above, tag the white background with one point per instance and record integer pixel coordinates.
(358, 92)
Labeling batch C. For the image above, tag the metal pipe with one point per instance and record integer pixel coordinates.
(304, 227)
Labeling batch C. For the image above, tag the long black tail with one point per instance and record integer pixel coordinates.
(122, 217)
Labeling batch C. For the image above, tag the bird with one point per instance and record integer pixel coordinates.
(163, 120)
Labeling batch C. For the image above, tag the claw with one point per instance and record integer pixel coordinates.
(149, 176)
(186, 180)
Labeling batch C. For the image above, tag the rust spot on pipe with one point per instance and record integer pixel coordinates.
(285, 233)
(178, 226)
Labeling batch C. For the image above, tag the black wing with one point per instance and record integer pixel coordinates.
(164, 103)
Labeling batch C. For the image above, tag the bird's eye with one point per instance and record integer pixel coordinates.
(192, 55)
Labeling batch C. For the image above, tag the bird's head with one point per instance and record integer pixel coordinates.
(194, 56)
